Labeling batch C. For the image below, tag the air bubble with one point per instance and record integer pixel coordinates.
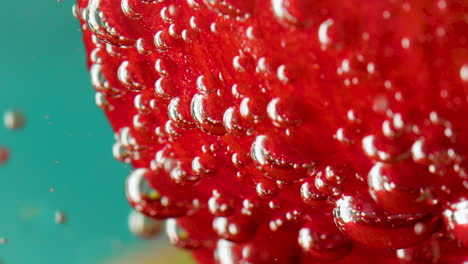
(142, 47)
(97, 23)
(456, 219)
(323, 34)
(271, 155)
(311, 195)
(361, 220)
(207, 111)
(392, 185)
(125, 76)
(236, 228)
(128, 10)
(220, 205)
(295, 12)
(266, 188)
(150, 201)
(14, 119)
(179, 112)
(165, 88)
(282, 112)
(322, 240)
(143, 226)
(464, 72)
(232, 8)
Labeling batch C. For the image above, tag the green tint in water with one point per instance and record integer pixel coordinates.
(61, 160)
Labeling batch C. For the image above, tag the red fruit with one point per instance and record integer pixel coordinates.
(290, 131)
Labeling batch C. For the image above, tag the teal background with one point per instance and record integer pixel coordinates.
(65, 145)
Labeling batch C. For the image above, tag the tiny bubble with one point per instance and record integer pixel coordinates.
(14, 119)
(60, 217)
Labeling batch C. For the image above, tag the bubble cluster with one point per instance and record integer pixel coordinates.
(288, 131)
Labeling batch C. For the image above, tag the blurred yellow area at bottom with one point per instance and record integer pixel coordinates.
(157, 255)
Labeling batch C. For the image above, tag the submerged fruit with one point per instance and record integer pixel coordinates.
(290, 131)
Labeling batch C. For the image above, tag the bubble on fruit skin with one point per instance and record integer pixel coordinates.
(203, 166)
(311, 195)
(102, 102)
(220, 205)
(165, 160)
(179, 236)
(423, 254)
(295, 12)
(206, 84)
(94, 55)
(96, 21)
(141, 102)
(142, 47)
(172, 130)
(128, 10)
(252, 110)
(248, 207)
(328, 181)
(126, 138)
(322, 240)
(243, 63)
(4, 155)
(162, 41)
(456, 220)
(238, 9)
(148, 200)
(235, 228)
(384, 149)
(14, 119)
(179, 113)
(323, 37)
(435, 147)
(76, 11)
(240, 159)
(169, 13)
(207, 123)
(143, 226)
(181, 176)
(464, 72)
(165, 88)
(266, 188)
(362, 221)
(98, 80)
(125, 76)
(161, 67)
(274, 164)
(235, 123)
(143, 121)
(280, 115)
(224, 252)
(392, 185)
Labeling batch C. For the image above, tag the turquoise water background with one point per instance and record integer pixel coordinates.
(65, 145)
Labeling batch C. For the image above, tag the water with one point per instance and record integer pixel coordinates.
(43, 74)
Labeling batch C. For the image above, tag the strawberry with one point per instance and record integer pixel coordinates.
(290, 131)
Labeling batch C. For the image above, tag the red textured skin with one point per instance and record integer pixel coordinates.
(336, 90)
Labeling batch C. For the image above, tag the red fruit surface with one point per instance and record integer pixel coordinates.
(290, 131)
